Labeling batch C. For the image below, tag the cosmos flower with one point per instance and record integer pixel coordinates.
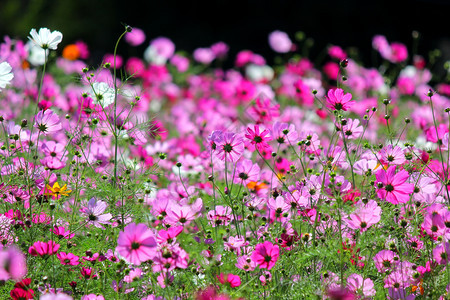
(102, 94)
(5, 74)
(337, 100)
(393, 187)
(93, 212)
(136, 243)
(47, 122)
(45, 38)
(266, 255)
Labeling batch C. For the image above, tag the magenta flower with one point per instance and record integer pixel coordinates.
(393, 187)
(266, 255)
(136, 243)
(43, 249)
(230, 147)
(337, 100)
(93, 212)
(68, 258)
(441, 253)
(47, 122)
(233, 280)
(62, 232)
(258, 139)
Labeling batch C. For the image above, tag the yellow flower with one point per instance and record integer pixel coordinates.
(56, 191)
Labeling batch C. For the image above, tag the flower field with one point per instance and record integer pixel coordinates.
(167, 176)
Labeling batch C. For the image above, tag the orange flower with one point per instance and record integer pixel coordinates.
(256, 186)
(71, 52)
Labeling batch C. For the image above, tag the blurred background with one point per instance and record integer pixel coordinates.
(240, 24)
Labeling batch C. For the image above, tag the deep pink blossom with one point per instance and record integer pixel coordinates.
(393, 187)
(43, 249)
(337, 100)
(68, 258)
(266, 255)
(258, 139)
(232, 280)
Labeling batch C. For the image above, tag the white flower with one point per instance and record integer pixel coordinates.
(102, 94)
(45, 38)
(258, 73)
(37, 55)
(5, 74)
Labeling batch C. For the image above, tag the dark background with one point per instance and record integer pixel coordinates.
(241, 24)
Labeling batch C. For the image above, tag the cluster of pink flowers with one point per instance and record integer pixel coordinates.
(249, 181)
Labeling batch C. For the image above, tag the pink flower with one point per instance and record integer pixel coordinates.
(93, 212)
(93, 297)
(245, 263)
(258, 139)
(47, 122)
(43, 249)
(221, 215)
(385, 260)
(365, 216)
(399, 53)
(136, 37)
(12, 264)
(136, 243)
(204, 55)
(233, 280)
(393, 187)
(279, 205)
(392, 155)
(337, 100)
(337, 52)
(230, 147)
(109, 58)
(280, 42)
(356, 283)
(220, 49)
(441, 253)
(68, 258)
(266, 255)
(180, 62)
(331, 69)
(352, 129)
(246, 172)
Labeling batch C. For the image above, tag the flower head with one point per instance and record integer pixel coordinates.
(229, 147)
(94, 213)
(337, 100)
(5, 74)
(56, 191)
(136, 243)
(102, 94)
(280, 42)
(266, 255)
(45, 38)
(47, 122)
(393, 187)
